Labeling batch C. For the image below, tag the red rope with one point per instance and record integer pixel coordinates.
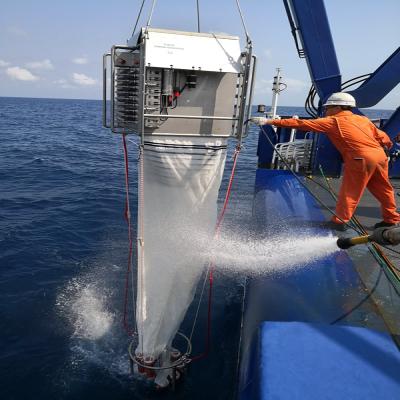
(228, 193)
(127, 215)
(212, 264)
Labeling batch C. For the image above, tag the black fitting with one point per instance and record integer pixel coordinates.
(344, 243)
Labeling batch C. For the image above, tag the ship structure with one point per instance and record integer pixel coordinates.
(183, 106)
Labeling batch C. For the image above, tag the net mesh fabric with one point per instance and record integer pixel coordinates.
(181, 180)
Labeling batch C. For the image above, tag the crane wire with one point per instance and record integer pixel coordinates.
(243, 23)
(137, 19)
(198, 16)
(153, 4)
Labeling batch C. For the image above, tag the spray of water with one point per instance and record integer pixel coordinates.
(245, 253)
(85, 306)
(91, 302)
(284, 253)
(92, 318)
(90, 305)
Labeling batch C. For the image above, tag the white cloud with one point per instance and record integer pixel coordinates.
(21, 74)
(45, 64)
(63, 83)
(80, 60)
(82, 79)
(296, 84)
(4, 63)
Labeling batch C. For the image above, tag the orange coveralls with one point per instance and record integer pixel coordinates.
(360, 143)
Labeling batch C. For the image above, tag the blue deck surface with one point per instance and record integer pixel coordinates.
(310, 359)
(316, 361)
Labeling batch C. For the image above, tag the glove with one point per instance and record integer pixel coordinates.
(260, 120)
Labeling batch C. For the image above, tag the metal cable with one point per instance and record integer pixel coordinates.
(353, 220)
(374, 248)
(243, 23)
(385, 264)
(130, 255)
(199, 303)
(361, 302)
(137, 19)
(392, 250)
(198, 16)
(140, 237)
(378, 255)
(153, 4)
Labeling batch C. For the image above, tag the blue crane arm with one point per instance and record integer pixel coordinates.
(380, 83)
(392, 125)
(310, 27)
(392, 128)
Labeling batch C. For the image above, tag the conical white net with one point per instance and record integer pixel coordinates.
(178, 203)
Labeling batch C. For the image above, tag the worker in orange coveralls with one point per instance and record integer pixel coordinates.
(362, 146)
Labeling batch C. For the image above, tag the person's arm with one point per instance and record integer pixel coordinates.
(382, 137)
(316, 125)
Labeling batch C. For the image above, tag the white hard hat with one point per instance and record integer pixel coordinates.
(340, 99)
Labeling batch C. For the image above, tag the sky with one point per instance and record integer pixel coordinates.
(54, 48)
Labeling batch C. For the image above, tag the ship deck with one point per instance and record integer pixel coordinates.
(368, 211)
(384, 294)
(345, 291)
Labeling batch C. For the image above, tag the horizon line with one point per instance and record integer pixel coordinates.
(73, 98)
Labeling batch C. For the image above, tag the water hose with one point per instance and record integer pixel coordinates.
(384, 236)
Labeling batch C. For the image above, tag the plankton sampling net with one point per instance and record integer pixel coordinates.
(181, 179)
(184, 94)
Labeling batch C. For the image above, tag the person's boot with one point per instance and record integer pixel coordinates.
(384, 224)
(335, 226)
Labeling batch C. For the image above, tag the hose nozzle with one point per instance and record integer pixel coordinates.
(345, 243)
(384, 236)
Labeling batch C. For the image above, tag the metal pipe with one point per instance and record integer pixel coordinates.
(275, 93)
(190, 117)
(143, 87)
(105, 90)
(243, 92)
(112, 88)
(253, 78)
(131, 131)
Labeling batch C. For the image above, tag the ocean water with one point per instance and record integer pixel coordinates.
(63, 253)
